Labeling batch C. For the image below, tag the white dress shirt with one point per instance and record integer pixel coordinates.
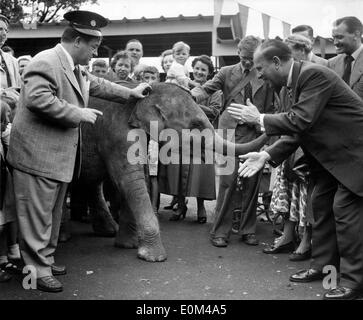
(288, 85)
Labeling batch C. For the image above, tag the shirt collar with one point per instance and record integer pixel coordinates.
(356, 53)
(310, 56)
(69, 58)
(289, 78)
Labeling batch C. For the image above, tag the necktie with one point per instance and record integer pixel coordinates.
(247, 88)
(347, 68)
(5, 68)
(76, 73)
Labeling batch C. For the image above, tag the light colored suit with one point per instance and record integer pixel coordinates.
(319, 60)
(356, 77)
(43, 146)
(45, 133)
(13, 68)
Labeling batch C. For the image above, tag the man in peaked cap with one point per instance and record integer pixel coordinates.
(45, 137)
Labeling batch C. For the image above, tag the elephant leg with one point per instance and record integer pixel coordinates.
(127, 235)
(111, 195)
(102, 222)
(131, 183)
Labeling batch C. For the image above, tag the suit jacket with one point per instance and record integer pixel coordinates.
(45, 132)
(226, 80)
(319, 60)
(327, 119)
(356, 77)
(13, 67)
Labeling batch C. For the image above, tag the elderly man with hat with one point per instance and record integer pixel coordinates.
(9, 71)
(45, 137)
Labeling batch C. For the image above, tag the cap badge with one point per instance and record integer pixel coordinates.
(93, 23)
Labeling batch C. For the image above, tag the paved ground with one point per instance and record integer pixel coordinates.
(194, 268)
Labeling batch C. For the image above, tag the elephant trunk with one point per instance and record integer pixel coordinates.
(225, 147)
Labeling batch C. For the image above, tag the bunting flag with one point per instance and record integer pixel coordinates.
(266, 25)
(286, 27)
(218, 5)
(243, 15)
(322, 46)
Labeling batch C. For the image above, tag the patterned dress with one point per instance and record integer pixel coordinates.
(290, 198)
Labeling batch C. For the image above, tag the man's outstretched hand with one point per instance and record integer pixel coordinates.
(141, 91)
(254, 162)
(244, 113)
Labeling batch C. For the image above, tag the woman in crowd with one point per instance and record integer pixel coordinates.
(293, 186)
(194, 180)
(9, 248)
(122, 65)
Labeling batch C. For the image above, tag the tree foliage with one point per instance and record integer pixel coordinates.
(39, 10)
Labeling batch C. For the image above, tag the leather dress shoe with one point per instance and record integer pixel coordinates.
(284, 248)
(250, 239)
(219, 242)
(306, 275)
(49, 284)
(300, 256)
(342, 293)
(58, 270)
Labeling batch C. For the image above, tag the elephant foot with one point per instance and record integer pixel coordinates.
(126, 243)
(152, 251)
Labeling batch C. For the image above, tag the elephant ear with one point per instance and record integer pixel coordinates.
(142, 115)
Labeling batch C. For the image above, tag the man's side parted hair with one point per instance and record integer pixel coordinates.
(133, 41)
(275, 48)
(353, 24)
(249, 43)
(302, 28)
(70, 34)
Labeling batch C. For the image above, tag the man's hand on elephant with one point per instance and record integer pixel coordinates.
(254, 162)
(141, 91)
(90, 115)
(244, 113)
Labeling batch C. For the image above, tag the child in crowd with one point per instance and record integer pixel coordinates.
(151, 75)
(123, 65)
(178, 72)
(9, 249)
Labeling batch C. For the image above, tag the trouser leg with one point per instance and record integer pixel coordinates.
(348, 210)
(229, 199)
(250, 189)
(324, 241)
(39, 208)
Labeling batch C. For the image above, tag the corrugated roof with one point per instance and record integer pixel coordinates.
(142, 19)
